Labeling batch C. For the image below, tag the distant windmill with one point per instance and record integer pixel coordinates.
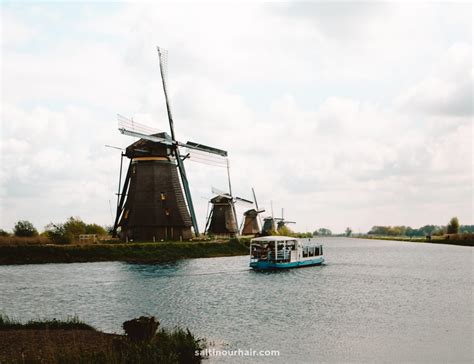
(269, 223)
(222, 219)
(281, 222)
(155, 201)
(251, 219)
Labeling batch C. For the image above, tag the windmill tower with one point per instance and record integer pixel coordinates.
(268, 227)
(155, 201)
(222, 219)
(251, 217)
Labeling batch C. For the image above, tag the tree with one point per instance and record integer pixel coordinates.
(56, 233)
(74, 226)
(4, 233)
(324, 232)
(25, 229)
(95, 229)
(348, 231)
(453, 226)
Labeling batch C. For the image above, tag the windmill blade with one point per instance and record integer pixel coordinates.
(289, 222)
(260, 211)
(163, 58)
(255, 198)
(146, 136)
(240, 199)
(205, 148)
(218, 191)
(113, 147)
(132, 125)
(256, 205)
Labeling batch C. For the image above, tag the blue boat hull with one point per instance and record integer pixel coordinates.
(265, 265)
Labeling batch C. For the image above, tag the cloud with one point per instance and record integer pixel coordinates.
(329, 111)
(447, 89)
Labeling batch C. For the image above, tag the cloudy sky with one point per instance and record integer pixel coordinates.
(345, 114)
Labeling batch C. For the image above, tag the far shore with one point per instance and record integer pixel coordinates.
(469, 241)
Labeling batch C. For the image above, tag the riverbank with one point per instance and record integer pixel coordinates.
(127, 252)
(463, 241)
(72, 341)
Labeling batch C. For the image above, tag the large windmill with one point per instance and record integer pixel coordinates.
(222, 219)
(251, 219)
(155, 201)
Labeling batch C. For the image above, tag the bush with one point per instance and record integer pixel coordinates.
(95, 229)
(4, 233)
(25, 229)
(65, 233)
(57, 233)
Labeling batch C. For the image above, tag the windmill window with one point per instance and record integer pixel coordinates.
(167, 212)
(126, 214)
(162, 196)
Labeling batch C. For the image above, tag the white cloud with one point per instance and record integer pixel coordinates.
(448, 89)
(331, 123)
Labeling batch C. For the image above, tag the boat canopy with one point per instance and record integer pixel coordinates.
(273, 238)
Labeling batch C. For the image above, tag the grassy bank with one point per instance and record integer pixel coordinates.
(130, 252)
(463, 240)
(73, 341)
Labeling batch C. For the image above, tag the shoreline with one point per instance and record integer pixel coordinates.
(458, 242)
(140, 253)
(151, 253)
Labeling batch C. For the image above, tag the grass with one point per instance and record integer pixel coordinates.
(129, 252)
(73, 341)
(72, 323)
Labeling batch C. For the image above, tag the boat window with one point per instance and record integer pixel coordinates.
(305, 252)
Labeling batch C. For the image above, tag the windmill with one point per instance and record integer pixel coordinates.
(269, 223)
(155, 202)
(222, 219)
(251, 219)
(281, 222)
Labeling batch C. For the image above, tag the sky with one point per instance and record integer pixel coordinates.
(349, 114)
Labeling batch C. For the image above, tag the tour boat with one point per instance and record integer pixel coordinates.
(283, 252)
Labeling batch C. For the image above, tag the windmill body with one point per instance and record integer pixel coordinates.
(155, 207)
(222, 219)
(251, 223)
(268, 227)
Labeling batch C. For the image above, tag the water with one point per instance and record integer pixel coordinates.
(376, 301)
